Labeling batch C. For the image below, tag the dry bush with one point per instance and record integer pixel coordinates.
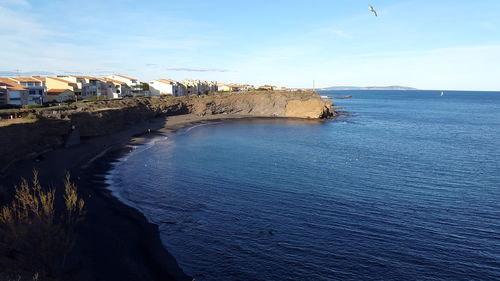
(33, 235)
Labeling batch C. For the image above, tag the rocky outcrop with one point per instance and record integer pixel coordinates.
(264, 104)
(312, 108)
(55, 125)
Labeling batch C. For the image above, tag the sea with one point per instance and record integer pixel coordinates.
(406, 186)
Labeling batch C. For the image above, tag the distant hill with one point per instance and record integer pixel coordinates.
(344, 88)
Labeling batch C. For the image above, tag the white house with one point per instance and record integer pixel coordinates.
(166, 87)
(120, 89)
(223, 87)
(199, 87)
(134, 84)
(35, 87)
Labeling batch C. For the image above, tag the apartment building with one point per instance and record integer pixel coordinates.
(119, 89)
(35, 87)
(13, 93)
(134, 84)
(166, 87)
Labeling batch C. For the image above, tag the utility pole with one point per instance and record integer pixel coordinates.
(314, 85)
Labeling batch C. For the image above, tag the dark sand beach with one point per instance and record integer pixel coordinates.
(115, 241)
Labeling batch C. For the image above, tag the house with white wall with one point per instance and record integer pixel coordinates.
(107, 89)
(36, 90)
(166, 87)
(134, 84)
(199, 87)
(121, 89)
(223, 87)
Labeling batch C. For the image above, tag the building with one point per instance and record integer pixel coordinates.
(166, 87)
(224, 88)
(134, 84)
(59, 83)
(35, 87)
(120, 89)
(199, 87)
(107, 89)
(268, 87)
(14, 93)
(241, 88)
(86, 87)
(60, 95)
(3, 95)
(90, 86)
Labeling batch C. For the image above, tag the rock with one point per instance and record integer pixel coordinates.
(312, 108)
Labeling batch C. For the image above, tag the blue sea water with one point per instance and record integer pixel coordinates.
(408, 188)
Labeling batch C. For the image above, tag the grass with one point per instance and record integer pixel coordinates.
(7, 122)
(33, 235)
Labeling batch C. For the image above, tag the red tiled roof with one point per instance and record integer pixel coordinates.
(166, 81)
(114, 81)
(39, 78)
(125, 77)
(24, 79)
(11, 85)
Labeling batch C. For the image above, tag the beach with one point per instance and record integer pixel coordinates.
(115, 241)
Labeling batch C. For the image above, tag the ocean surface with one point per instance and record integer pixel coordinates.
(408, 188)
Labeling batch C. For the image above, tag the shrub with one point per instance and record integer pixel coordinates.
(32, 106)
(9, 106)
(32, 234)
(31, 116)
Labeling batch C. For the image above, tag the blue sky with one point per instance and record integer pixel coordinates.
(437, 44)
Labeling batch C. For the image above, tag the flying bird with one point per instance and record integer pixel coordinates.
(370, 7)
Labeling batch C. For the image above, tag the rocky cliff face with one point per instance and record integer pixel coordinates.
(105, 117)
(268, 104)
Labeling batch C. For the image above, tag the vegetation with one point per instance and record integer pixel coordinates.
(9, 106)
(33, 106)
(94, 99)
(33, 235)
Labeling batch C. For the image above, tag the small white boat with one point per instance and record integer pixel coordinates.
(442, 93)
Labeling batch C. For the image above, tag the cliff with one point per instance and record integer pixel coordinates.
(55, 125)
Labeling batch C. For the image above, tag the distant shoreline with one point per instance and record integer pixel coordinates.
(368, 88)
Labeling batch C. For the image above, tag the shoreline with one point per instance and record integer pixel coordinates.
(115, 240)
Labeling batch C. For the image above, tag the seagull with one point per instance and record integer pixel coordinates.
(370, 7)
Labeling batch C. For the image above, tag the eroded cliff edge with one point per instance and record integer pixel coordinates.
(54, 126)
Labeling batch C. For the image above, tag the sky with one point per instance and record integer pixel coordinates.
(438, 44)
